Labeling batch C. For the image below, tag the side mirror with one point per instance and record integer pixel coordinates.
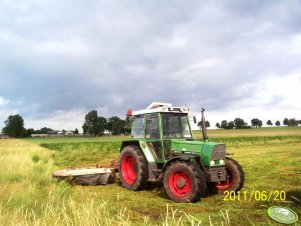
(194, 119)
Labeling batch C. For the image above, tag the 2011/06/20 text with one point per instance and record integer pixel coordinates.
(255, 195)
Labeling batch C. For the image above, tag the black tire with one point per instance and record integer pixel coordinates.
(235, 175)
(133, 168)
(193, 186)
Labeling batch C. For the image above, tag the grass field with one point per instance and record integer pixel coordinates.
(270, 157)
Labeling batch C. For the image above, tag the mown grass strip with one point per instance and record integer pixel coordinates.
(256, 139)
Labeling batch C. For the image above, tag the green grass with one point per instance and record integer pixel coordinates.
(43, 140)
(28, 194)
(253, 132)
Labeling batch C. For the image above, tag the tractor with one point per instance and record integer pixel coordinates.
(163, 148)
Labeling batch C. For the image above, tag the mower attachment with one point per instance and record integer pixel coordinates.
(86, 176)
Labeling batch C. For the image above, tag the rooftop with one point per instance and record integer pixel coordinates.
(161, 107)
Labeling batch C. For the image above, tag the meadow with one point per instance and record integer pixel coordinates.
(270, 157)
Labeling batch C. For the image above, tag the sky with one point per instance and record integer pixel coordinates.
(61, 59)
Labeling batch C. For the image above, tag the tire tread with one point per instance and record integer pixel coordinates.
(199, 177)
(142, 164)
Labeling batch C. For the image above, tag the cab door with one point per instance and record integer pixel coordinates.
(153, 136)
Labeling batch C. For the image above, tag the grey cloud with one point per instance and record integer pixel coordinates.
(82, 55)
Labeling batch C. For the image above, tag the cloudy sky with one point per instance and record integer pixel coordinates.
(60, 59)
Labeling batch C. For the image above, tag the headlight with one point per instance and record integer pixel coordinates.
(211, 163)
(222, 162)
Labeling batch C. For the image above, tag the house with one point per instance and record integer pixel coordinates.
(39, 135)
(107, 133)
(69, 133)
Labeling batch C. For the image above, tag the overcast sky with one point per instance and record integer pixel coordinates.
(61, 59)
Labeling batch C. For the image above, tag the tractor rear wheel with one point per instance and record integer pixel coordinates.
(133, 168)
(235, 178)
(184, 181)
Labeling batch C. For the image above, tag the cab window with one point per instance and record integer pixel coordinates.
(138, 127)
(175, 126)
(152, 127)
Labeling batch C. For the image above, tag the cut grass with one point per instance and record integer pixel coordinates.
(28, 195)
(58, 139)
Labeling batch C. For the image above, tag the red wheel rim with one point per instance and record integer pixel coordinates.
(180, 183)
(226, 184)
(129, 173)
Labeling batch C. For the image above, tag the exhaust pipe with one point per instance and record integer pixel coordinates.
(204, 129)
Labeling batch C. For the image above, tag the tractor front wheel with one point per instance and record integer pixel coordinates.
(133, 168)
(235, 178)
(184, 182)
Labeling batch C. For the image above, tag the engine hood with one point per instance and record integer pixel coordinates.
(204, 149)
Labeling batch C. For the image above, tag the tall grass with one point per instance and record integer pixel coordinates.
(30, 196)
(68, 211)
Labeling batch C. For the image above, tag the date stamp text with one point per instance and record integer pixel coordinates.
(255, 195)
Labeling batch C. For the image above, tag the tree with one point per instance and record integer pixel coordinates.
(293, 122)
(116, 125)
(224, 124)
(29, 132)
(239, 123)
(45, 130)
(207, 123)
(14, 126)
(285, 122)
(260, 123)
(85, 128)
(256, 122)
(230, 125)
(128, 125)
(269, 122)
(218, 125)
(75, 131)
(93, 124)
(277, 123)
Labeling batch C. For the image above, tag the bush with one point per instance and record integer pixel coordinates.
(35, 157)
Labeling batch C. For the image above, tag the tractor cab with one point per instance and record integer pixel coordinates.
(158, 126)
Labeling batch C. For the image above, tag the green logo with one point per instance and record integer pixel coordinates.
(282, 215)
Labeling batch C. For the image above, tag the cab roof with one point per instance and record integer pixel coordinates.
(156, 107)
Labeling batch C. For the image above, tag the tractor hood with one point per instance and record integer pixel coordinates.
(207, 150)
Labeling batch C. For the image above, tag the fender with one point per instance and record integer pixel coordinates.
(143, 147)
(129, 142)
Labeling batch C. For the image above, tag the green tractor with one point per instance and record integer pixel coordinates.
(163, 148)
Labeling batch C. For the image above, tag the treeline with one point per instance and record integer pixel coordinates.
(46, 130)
(239, 123)
(93, 125)
(98, 125)
(14, 127)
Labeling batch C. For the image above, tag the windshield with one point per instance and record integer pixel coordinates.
(138, 127)
(175, 126)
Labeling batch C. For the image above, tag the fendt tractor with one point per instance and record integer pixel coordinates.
(163, 148)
